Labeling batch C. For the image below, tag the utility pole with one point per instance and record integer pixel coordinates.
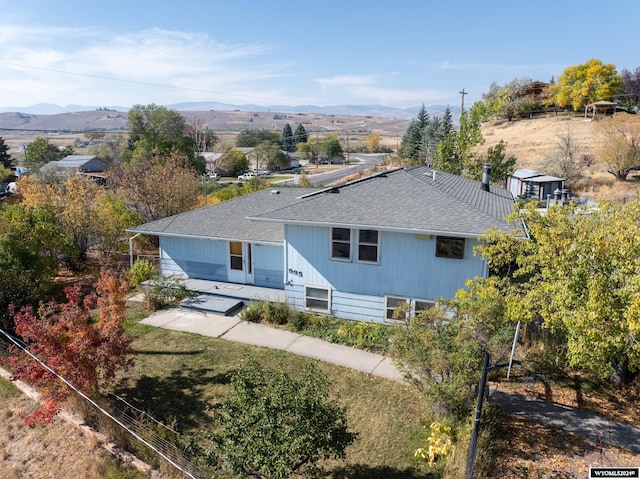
(463, 93)
(347, 147)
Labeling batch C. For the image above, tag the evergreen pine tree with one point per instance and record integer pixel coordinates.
(5, 157)
(288, 144)
(300, 135)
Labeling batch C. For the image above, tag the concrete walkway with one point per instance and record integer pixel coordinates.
(585, 423)
(231, 328)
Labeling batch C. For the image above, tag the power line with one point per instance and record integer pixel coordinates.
(95, 404)
(135, 82)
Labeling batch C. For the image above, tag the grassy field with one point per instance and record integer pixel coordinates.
(181, 378)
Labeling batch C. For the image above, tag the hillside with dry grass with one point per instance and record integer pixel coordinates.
(535, 142)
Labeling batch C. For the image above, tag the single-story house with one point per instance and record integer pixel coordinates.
(355, 251)
(76, 164)
(538, 184)
(83, 163)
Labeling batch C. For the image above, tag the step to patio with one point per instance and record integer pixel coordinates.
(213, 304)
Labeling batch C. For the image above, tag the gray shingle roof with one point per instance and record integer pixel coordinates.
(406, 199)
(228, 220)
(74, 161)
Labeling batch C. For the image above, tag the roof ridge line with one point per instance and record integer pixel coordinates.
(349, 183)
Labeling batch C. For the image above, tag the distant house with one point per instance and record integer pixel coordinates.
(72, 164)
(533, 183)
(534, 92)
(356, 251)
(83, 164)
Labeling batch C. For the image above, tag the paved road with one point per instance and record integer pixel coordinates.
(570, 419)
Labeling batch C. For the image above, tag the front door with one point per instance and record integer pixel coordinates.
(240, 266)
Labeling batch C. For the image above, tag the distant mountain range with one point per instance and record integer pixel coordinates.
(352, 110)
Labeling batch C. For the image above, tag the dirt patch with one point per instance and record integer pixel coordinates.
(528, 450)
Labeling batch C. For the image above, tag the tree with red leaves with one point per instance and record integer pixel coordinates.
(85, 350)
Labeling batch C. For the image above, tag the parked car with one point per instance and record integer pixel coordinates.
(214, 176)
(246, 176)
(264, 172)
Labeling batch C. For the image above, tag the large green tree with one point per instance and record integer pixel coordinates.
(252, 138)
(331, 148)
(267, 155)
(502, 167)
(276, 425)
(454, 153)
(580, 273)
(587, 83)
(40, 152)
(232, 163)
(31, 245)
(157, 131)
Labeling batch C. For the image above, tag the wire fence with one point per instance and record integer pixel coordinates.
(135, 425)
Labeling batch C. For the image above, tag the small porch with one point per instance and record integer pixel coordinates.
(227, 298)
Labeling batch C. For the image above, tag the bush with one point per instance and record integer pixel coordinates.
(299, 320)
(365, 335)
(142, 270)
(276, 425)
(166, 291)
(266, 312)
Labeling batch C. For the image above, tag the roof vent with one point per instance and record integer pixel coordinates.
(275, 192)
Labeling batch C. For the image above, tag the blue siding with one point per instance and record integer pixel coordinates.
(268, 266)
(408, 268)
(207, 259)
(195, 258)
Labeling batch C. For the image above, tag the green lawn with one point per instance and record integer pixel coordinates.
(183, 377)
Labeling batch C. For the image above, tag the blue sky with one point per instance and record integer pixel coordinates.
(401, 53)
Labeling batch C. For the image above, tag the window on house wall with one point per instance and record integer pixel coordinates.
(341, 244)
(317, 299)
(368, 246)
(447, 247)
(391, 303)
(420, 305)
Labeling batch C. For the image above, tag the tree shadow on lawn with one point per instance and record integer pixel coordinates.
(364, 471)
(177, 396)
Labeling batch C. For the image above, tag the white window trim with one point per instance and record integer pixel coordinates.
(386, 308)
(328, 299)
(377, 245)
(350, 243)
(419, 300)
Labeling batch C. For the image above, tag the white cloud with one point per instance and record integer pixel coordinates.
(59, 65)
(346, 80)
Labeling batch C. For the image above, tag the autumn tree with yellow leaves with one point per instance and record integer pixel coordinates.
(582, 84)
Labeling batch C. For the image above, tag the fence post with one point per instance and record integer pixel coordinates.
(471, 457)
